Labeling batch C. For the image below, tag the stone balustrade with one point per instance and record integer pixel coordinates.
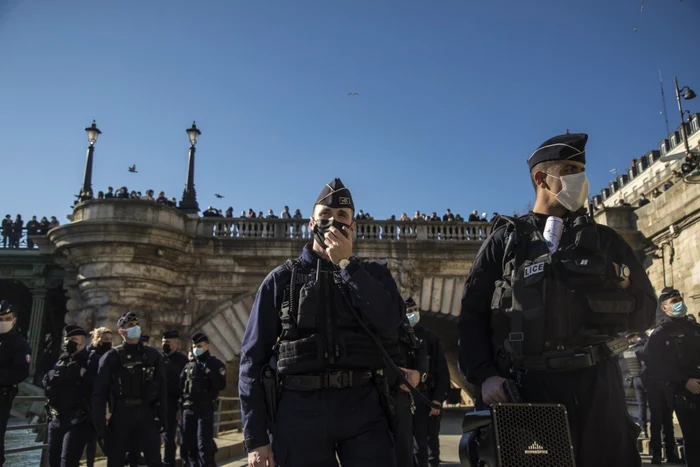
(366, 230)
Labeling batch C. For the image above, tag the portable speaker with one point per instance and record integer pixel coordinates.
(517, 435)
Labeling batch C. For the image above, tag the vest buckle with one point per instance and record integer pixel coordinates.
(338, 379)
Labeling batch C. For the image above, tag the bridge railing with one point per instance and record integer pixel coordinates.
(290, 229)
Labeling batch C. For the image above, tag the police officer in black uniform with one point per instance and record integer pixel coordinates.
(101, 343)
(321, 307)
(673, 363)
(131, 377)
(434, 386)
(68, 388)
(543, 306)
(15, 356)
(174, 364)
(415, 359)
(201, 381)
(636, 367)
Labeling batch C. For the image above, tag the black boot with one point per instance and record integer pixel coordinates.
(656, 460)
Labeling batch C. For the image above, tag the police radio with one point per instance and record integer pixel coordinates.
(517, 434)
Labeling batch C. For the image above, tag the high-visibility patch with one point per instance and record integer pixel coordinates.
(534, 269)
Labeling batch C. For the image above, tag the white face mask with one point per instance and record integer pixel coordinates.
(6, 326)
(574, 191)
(413, 318)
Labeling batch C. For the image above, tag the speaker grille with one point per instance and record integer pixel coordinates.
(532, 435)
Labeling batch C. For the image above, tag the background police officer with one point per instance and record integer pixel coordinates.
(15, 356)
(132, 378)
(101, 343)
(636, 367)
(174, 362)
(68, 392)
(326, 359)
(558, 340)
(673, 363)
(201, 381)
(434, 386)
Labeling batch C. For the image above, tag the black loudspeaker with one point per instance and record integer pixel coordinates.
(517, 435)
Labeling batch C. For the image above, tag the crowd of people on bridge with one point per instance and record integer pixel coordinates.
(13, 230)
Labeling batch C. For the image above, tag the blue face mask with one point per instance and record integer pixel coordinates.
(197, 352)
(133, 333)
(679, 309)
(413, 318)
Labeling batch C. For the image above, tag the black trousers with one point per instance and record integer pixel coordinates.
(434, 439)
(642, 402)
(169, 436)
(133, 429)
(661, 407)
(198, 422)
(313, 426)
(67, 441)
(91, 450)
(5, 407)
(403, 436)
(689, 420)
(420, 434)
(602, 431)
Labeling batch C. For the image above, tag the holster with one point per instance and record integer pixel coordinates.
(272, 389)
(387, 401)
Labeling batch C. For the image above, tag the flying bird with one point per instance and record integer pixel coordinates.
(218, 195)
(635, 29)
(132, 169)
(353, 94)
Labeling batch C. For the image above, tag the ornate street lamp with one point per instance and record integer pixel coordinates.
(189, 203)
(92, 133)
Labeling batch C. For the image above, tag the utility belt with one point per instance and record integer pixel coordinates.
(428, 384)
(687, 401)
(201, 404)
(575, 359)
(130, 401)
(74, 416)
(333, 379)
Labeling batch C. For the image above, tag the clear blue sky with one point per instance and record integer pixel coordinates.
(454, 95)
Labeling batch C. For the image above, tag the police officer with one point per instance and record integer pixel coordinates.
(174, 364)
(434, 386)
(673, 363)
(68, 391)
(132, 378)
(15, 356)
(415, 359)
(201, 381)
(101, 343)
(634, 360)
(321, 307)
(545, 298)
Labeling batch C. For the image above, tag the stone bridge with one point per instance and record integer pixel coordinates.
(201, 273)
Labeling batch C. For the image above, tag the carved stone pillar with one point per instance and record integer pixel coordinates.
(36, 321)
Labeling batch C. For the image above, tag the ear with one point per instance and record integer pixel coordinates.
(540, 179)
(312, 222)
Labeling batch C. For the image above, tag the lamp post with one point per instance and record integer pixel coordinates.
(688, 95)
(189, 196)
(92, 133)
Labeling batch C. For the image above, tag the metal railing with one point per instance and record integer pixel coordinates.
(44, 446)
(218, 423)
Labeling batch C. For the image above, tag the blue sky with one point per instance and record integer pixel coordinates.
(454, 95)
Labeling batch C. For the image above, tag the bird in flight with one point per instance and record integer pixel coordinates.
(132, 169)
(353, 94)
(218, 195)
(635, 29)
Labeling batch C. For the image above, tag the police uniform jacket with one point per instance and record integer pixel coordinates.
(68, 385)
(107, 383)
(672, 353)
(15, 357)
(438, 382)
(174, 364)
(475, 324)
(202, 379)
(373, 294)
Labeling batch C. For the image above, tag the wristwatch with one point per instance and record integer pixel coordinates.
(624, 273)
(344, 263)
(423, 377)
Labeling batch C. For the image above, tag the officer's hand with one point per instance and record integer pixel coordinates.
(492, 390)
(339, 246)
(693, 385)
(413, 378)
(434, 412)
(261, 457)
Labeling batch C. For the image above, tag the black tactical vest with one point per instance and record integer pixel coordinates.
(546, 302)
(134, 376)
(63, 386)
(409, 344)
(196, 381)
(319, 330)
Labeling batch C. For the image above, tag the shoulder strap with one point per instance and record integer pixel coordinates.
(290, 303)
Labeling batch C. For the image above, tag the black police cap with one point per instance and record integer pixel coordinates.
(72, 330)
(335, 195)
(667, 293)
(568, 147)
(410, 302)
(5, 307)
(199, 337)
(172, 334)
(126, 319)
